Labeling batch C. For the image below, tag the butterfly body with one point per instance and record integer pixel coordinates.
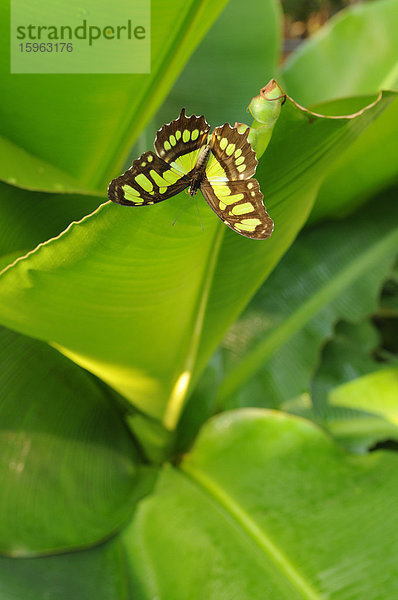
(221, 165)
(199, 170)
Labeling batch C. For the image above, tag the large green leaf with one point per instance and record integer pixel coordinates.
(30, 218)
(290, 172)
(266, 506)
(96, 573)
(69, 469)
(332, 271)
(236, 58)
(18, 167)
(85, 124)
(369, 165)
(355, 395)
(350, 353)
(375, 393)
(355, 53)
(143, 305)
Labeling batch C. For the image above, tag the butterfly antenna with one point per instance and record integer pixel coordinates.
(181, 210)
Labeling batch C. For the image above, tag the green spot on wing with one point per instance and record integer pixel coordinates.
(131, 193)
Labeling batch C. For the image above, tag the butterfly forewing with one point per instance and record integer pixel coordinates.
(149, 180)
(240, 205)
(179, 142)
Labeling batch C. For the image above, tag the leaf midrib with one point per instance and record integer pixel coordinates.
(258, 536)
(172, 412)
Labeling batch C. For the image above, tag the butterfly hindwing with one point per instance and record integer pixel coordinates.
(179, 141)
(232, 158)
(240, 205)
(149, 180)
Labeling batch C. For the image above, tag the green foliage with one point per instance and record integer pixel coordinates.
(266, 506)
(354, 392)
(219, 270)
(85, 125)
(94, 573)
(122, 335)
(233, 71)
(355, 54)
(66, 447)
(283, 328)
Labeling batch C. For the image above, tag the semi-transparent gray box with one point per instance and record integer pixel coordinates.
(74, 36)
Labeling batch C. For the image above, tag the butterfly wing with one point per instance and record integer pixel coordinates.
(232, 156)
(156, 177)
(239, 204)
(149, 180)
(229, 189)
(179, 142)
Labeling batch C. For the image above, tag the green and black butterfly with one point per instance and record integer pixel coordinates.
(220, 164)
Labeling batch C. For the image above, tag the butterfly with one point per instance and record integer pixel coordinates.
(220, 164)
